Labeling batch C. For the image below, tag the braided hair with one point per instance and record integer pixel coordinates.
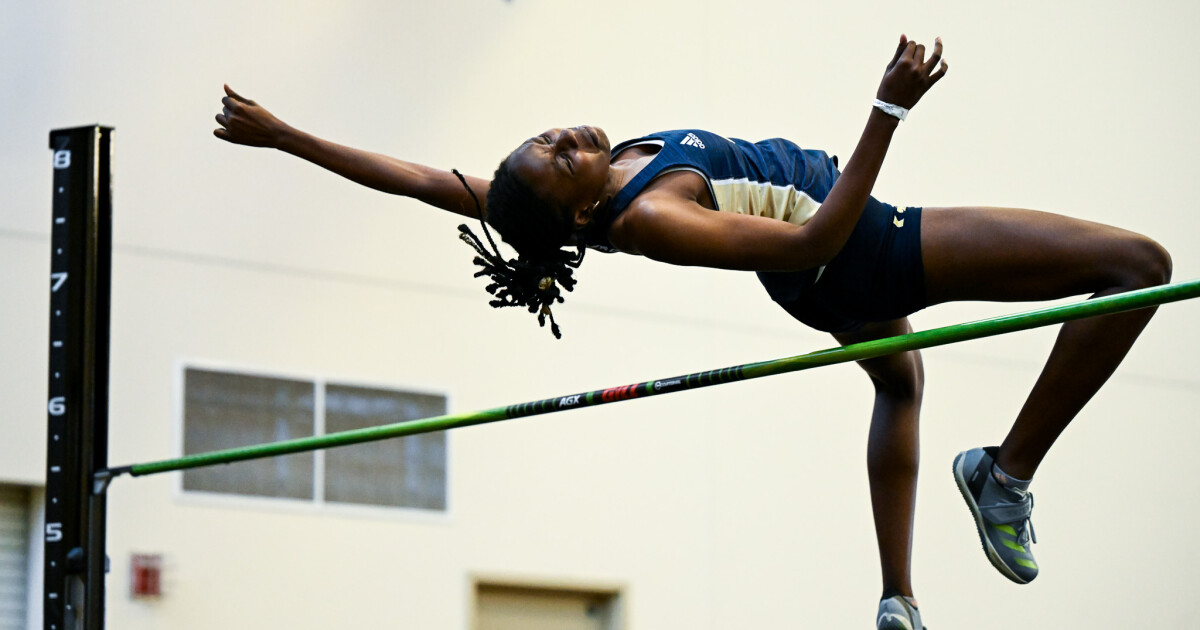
(538, 232)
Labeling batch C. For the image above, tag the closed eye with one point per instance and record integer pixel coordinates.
(570, 167)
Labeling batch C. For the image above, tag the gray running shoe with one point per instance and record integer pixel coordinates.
(1001, 515)
(896, 613)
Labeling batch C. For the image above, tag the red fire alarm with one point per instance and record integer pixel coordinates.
(145, 575)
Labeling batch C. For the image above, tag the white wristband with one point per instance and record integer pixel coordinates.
(891, 110)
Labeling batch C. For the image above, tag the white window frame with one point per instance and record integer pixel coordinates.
(317, 505)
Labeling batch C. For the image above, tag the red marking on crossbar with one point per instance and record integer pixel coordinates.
(624, 392)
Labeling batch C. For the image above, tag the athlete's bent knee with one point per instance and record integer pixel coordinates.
(1149, 264)
(900, 377)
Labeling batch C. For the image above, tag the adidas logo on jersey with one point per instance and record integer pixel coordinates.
(692, 141)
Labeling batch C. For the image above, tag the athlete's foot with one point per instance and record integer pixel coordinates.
(1001, 513)
(898, 613)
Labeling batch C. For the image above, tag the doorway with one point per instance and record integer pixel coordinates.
(500, 606)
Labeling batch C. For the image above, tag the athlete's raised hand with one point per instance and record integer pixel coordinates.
(245, 122)
(910, 75)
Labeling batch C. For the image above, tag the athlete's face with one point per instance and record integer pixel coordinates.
(567, 167)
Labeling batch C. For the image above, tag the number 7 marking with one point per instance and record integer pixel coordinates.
(59, 278)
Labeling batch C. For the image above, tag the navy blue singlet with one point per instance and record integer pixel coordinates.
(773, 178)
(877, 276)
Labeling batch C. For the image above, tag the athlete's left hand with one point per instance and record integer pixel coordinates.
(245, 122)
(910, 75)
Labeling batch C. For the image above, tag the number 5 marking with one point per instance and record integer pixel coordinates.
(54, 532)
(59, 278)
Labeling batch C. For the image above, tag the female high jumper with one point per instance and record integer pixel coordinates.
(826, 251)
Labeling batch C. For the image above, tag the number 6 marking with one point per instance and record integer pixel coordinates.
(57, 406)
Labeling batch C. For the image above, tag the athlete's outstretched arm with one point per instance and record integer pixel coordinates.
(669, 228)
(245, 122)
(906, 80)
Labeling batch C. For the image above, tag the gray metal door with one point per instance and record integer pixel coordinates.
(14, 556)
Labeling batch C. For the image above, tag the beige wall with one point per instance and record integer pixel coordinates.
(739, 506)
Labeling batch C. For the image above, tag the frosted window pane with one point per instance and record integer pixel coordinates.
(402, 472)
(226, 410)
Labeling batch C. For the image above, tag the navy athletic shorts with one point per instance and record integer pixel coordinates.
(877, 276)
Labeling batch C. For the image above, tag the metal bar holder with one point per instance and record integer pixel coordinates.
(77, 405)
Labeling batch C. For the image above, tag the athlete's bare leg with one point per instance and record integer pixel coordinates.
(893, 451)
(1018, 255)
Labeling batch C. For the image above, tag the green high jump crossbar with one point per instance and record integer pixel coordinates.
(855, 352)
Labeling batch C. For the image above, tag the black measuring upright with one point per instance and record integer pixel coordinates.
(77, 405)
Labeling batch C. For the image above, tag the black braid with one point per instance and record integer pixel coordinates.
(532, 280)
